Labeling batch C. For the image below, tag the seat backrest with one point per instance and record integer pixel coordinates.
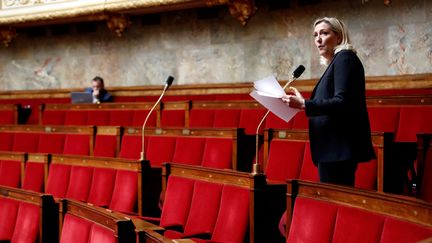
(105, 146)
(8, 217)
(366, 174)
(300, 121)
(233, 218)
(7, 139)
(58, 180)
(139, 118)
(175, 114)
(10, 173)
(99, 234)
(51, 143)
(383, 119)
(218, 153)
(309, 171)
(413, 121)
(229, 118)
(125, 194)
(201, 118)
(98, 117)
(399, 231)
(250, 119)
(53, 117)
(34, 176)
(25, 142)
(76, 117)
(131, 146)
(78, 144)
(177, 202)
(75, 229)
(204, 209)
(160, 149)
(189, 150)
(284, 160)
(27, 224)
(273, 121)
(102, 186)
(121, 118)
(79, 183)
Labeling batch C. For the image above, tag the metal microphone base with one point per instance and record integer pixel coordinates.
(256, 169)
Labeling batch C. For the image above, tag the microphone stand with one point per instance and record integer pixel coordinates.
(148, 116)
(256, 166)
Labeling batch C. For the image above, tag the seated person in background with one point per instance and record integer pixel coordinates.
(100, 94)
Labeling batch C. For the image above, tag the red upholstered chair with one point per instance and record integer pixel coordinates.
(98, 118)
(27, 223)
(189, 150)
(285, 160)
(204, 209)
(53, 117)
(79, 183)
(250, 118)
(102, 187)
(75, 229)
(121, 118)
(313, 221)
(384, 119)
(7, 117)
(366, 175)
(125, 194)
(51, 143)
(273, 121)
(177, 202)
(25, 142)
(131, 146)
(58, 180)
(76, 117)
(99, 234)
(309, 171)
(201, 118)
(77, 144)
(10, 173)
(300, 121)
(218, 153)
(34, 176)
(139, 118)
(398, 231)
(413, 121)
(173, 118)
(105, 146)
(160, 149)
(226, 118)
(8, 216)
(354, 225)
(233, 219)
(7, 140)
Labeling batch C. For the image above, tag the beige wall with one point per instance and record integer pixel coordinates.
(391, 40)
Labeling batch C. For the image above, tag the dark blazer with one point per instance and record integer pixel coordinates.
(339, 128)
(104, 96)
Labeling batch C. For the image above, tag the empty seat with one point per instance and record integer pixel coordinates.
(413, 121)
(75, 229)
(201, 118)
(25, 142)
(121, 118)
(8, 216)
(218, 153)
(125, 194)
(160, 149)
(10, 173)
(102, 187)
(76, 117)
(250, 118)
(58, 180)
(53, 117)
(28, 223)
(7, 139)
(51, 143)
(79, 183)
(383, 119)
(98, 117)
(34, 176)
(77, 144)
(229, 118)
(189, 150)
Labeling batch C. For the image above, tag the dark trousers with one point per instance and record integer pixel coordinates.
(341, 172)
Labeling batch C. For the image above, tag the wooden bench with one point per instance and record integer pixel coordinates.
(330, 213)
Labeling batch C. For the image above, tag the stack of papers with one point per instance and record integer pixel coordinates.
(269, 93)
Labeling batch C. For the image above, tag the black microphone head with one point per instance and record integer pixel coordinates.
(169, 80)
(299, 71)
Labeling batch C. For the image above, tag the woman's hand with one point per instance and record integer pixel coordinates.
(294, 99)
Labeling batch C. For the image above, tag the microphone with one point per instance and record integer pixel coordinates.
(256, 166)
(168, 83)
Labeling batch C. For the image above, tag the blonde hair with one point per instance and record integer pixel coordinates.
(340, 29)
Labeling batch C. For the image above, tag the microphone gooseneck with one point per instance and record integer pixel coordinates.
(256, 166)
(168, 83)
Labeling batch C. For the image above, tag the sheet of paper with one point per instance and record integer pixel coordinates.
(269, 87)
(276, 106)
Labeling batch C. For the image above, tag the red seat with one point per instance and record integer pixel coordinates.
(125, 194)
(7, 117)
(75, 229)
(131, 147)
(8, 216)
(10, 173)
(383, 119)
(79, 183)
(99, 234)
(366, 174)
(285, 160)
(25, 142)
(160, 149)
(177, 202)
(218, 153)
(77, 144)
(309, 171)
(226, 118)
(27, 224)
(250, 119)
(173, 118)
(105, 146)
(121, 118)
(300, 121)
(7, 139)
(189, 150)
(53, 117)
(204, 209)
(399, 231)
(273, 121)
(58, 180)
(102, 187)
(51, 143)
(34, 176)
(201, 118)
(76, 118)
(413, 121)
(139, 118)
(98, 118)
(233, 219)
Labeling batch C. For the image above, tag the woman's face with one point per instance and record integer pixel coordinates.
(325, 40)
